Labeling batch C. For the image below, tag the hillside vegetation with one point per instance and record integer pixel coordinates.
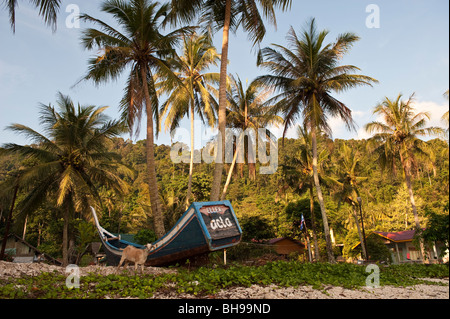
(268, 206)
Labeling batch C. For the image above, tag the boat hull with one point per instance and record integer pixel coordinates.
(203, 228)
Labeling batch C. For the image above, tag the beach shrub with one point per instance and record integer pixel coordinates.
(145, 236)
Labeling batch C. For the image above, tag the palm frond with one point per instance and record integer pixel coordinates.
(29, 133)
(48, 10)
(306, 72)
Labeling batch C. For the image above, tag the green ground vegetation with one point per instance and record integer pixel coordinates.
(207, 281)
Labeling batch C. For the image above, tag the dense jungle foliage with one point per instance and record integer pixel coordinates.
(267, 207)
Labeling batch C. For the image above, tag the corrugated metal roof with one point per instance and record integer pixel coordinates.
(398, 237)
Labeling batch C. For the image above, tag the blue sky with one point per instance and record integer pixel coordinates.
(408, 53)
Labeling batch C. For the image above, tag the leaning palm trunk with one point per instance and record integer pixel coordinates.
(191, 166)
(361, 239)
(413, 203)
(158, 218)
(326, 228)
(230, 172)
(313, 222)
(218, 169)
(65, 239)
(251, 161)
(67, 214)
(137, 44)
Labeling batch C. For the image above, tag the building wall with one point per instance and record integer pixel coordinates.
(409, 253)
(21, 249)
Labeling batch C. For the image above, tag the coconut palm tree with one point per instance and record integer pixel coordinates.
(227, 15)
(137, 47)
(305, 75)
(348, 182)
(298, 174)
(246, 110)
(397, 137)
(71, 159)
(47, 9)
(193, 93)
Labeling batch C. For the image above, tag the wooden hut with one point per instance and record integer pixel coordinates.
(22, 252)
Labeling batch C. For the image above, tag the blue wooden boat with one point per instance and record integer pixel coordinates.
(204, 227)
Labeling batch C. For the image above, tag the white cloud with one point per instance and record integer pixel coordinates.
(434, 109)
(363, 135)
(337, 126)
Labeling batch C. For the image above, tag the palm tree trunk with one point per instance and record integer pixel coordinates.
(361, 239)
(313, 222)
(320, 196)
(218, 169)
(406, 170)
(251, 160)
(230, 173)
(39, 234)
(158, 218)
(65, 241)
(25, 228)
(191, 167)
